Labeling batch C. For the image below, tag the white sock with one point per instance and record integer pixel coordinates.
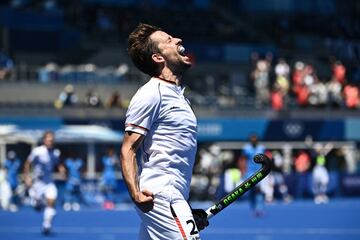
(49, 214)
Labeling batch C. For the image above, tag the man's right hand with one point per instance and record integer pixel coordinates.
(144, 200)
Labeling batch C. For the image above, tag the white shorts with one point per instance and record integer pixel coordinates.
(40, 189)
(171, 218)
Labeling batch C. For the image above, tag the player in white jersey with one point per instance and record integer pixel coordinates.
(161, 124)
(41, 162)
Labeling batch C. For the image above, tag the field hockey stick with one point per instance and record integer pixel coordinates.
(243, 187)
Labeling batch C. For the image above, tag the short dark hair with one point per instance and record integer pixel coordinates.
(141, 49)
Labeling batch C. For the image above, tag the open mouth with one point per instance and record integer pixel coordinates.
(181, 50)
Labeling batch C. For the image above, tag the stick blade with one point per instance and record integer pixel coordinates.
(261, 158)
(265, 161)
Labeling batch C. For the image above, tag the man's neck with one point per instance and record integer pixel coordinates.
(170, 77)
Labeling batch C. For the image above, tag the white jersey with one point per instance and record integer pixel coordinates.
(160, 111)
(44, 161)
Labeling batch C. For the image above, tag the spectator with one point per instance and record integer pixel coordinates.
(334, 90)
(302, 95)
(302, 165)
(277, 99)
(282, 68)
(12, 166)
(67, 97)
(48, 73)
(351, 96)
(282, 83)
(339, 72)
(309, 75)
(300, 89)
(260, 76)
(276, 179)
(282, 71)
(298, 74)
(92, 99)
(350, 158)
(114, 100)
(318, 95)
(210, 165)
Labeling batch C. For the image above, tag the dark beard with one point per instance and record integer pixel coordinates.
(180, 68)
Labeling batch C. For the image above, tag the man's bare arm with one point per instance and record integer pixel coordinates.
(27, 171)
(143, 199)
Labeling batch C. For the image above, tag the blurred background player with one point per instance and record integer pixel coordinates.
(108, 180)
(42, 161)
(12, 165)
(72, 196)
(256, 194)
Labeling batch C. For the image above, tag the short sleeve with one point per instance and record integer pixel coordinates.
(32, 155)
(143, 111)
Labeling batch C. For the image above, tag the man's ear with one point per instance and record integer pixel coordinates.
(157, 58)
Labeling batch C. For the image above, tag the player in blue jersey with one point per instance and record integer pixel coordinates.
(12, 165)
(108, 180)
(256, 195)
(73, 167)
(38, 170)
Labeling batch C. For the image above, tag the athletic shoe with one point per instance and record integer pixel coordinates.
(75, 207)
(67, 206)
(13, 208)
(46, 231)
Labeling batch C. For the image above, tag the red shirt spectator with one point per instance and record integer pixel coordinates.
(339, 72)
(351, 95)
(302, 96)
(277, 102)
(302, 162)
(298, 74)
(297, 77)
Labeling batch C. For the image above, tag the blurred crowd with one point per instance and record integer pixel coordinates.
(280, 85)
(310, 172)
(274, 85)
(68, 98)
(277, 85)
(52, 72)
(70, 173)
